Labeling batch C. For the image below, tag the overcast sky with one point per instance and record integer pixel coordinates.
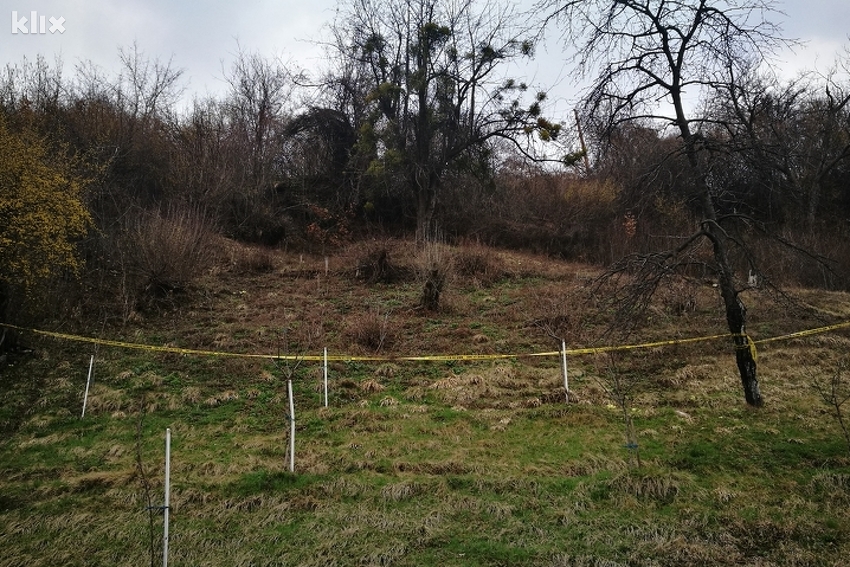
(201, 37)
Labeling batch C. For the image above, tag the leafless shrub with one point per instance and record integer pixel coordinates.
(819, 259)
(376, 266)
(373, 330)
(560, 313)
(144, 481)
(478, 263)
(433, 270)
(166, 251)
(835, 392)
(383, 261)
(678, 297)
(620, 389)
(557, 214)
(255, 261)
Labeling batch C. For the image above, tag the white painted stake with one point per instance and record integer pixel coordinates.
(326, 376)
(291, 428)
(166, 506)
(564, 368)
(88, 383)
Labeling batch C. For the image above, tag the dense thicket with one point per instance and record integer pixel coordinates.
(278, 163)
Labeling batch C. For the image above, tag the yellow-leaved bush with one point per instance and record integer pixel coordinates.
(42, 213)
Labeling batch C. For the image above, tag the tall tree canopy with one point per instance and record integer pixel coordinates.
(429, 90)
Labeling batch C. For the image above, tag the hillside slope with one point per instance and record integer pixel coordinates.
(655, 460)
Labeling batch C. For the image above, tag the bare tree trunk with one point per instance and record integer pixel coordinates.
(736, 315)
(426, 205)
(813, 205)
(424, 216)
(736, 312)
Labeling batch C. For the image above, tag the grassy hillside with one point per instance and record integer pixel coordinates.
(655, 461)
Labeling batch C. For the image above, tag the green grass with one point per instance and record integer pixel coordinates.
(427, 463)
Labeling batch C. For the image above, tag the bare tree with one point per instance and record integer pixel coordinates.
(834, 390)
(32, 84)
(651, 61)
(146, 89)
(794, 137)
(260, 102)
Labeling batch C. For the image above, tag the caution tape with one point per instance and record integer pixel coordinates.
(806, 333)
(750, 343)
(152, 348)
(615, 348)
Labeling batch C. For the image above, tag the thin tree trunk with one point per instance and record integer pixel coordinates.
(424, 216)
(813, 205)
(736, 312)
(426, 205)
(736, 315)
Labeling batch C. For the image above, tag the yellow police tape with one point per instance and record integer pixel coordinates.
(750, 343)
(806, 333)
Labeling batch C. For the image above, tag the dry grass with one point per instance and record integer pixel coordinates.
(375, 330)
(255, 260)
(371, 386)
(479, 265)
(428, 463)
